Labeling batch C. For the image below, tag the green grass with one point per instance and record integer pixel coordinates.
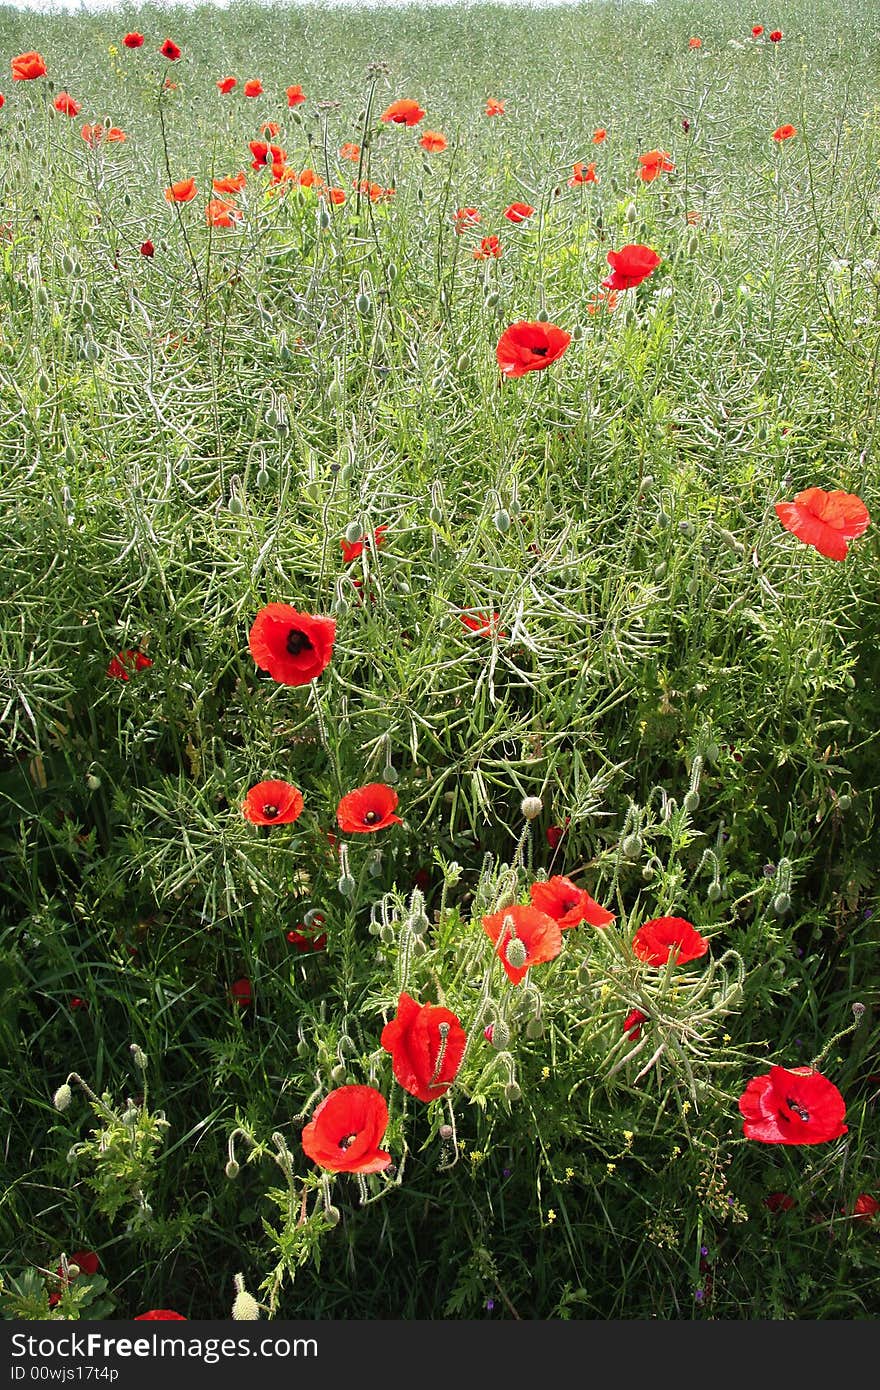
(187, 437)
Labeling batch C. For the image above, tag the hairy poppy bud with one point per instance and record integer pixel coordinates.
(501, 520)
(660, 570)
(42, 296)
(718, 309)
(781, 904)
(714, 892)
(67, 264)
(337, 1074)
(631, 846)
(333, 1215)
(139, 1057)
(858, 1011)
(347, 886)
(844, 802)
(234, 504)
(534, 1028)
(512, 1092)
(245, 1308)
(516, 954)
(691, 802)
(631, 214)
(500, 1038)
(232, 1170)
(542, 316)
(93, 782)
(262, 477)
(531, 807)
(62, 1097)
(323, 220)
(44, 383)
(363, 304)
(649, 873)
(446, 1133)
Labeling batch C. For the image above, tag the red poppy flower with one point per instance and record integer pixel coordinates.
(655, 942)
(757, 30)
(583, 173)
(599, 135)
(336, 195)
(241, 992)
(65, 103)
(272, 803)
(293, 647)
(368, 808)
(253, 88)
(350, 151)
(170, 51)
(133, 40)
(433, 142)
(484, 624)
(632, 1024)
(865, 1207)
(518, 212)
(219, 213)
(488, 249)
(160, 1315)
(352, 549)
(86, 1261)
(494, 108)
(27, 66)
(695, 43)
(76, 1003)
(427, 1044)
(825, 520)
(2, 100)
(303, 939)
(230, 183)
(465, 217)
(776, 36)
(346, 1129)
(266, 154)
(567, 904)
(653, 163)
(539, 934)
(226, 84)
(147, 248)
(295, 96)
(182, 192)
(630, 266)
(554, 833)
(792, 1106)
(779, 1201)
(127, 661)
(784, 132)
(404, 112)
(528, 347)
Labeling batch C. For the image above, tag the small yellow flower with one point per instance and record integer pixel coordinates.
(569, 1172)
(727, 1038)
(676, 1151)
(551, 1215)
(610, 1167)
(628, 1135)
(113, 50)
(686, 1108)
(545, 1072)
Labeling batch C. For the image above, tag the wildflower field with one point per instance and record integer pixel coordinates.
(440, 660)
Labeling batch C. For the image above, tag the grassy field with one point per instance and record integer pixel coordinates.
(585, 643)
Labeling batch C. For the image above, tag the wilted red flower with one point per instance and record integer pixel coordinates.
(567, 904)
(488, 249)
(336, 195)
(518, 212)
(346, 1129)
(656, 941)
(304, 939)
(757, 30)
(241, 992)
(484, 624)
(226, 84)
(539, 934)
(219, 213)
(583, 173)
(266, 154)
(653, 163)
(182, 192)
(775, 36)
(784, 132)
(94, 134)
(779, 1201)
(632, 1024)
(160, 1315)
(494, 108)
(147, 248)
(27, 66)
(695, 43)
(792, 1106)
(826, 520)
(865, 1207)
(272, 803)
(133, 40)
(295, 96)
(465, 217)
(368, 808)
(427, 1044)
(170, 51)
(293, 647)
(253, 88)
(602, 299)
(630, 266)
(349, 150)
(352, 549)
(230, 183)
(65, 103)
(527, 347)
(404, 112)
(599, 135)
(125, 662)
(433, 142)
(86, 1261)
(270, 128)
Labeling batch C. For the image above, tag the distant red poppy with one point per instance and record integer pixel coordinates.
(345, 1131)
(494, 108)
(404, 112)
(695, 43)
(779, 1201)
(76, 1003)
(2, 100)
(170, 51)
(230, 183)
(253, 88)
(826, 520)
(654, 163)
(539, 934)
(658, 939)
(272, 803)
(295, 96)
(602, 299)
(349, 150)
(27, 66)
(630, 266)
(757, 30)
(270, 128)
(65, 103)
(86, 1261)
(784, 132)
(336, 195)
(427, 1044)
(304, 939)
(160, 1315)
(488, 249)
(599, 135)
(465, 217)
(865, 1207)
(219, 213)
(775, 36)
(583, 173)
(241, 992)
(226, 84)
(125, 662)
(792, 1106)
(293, 647)
(94, 134)
(518, 212)
(182, 192)
(352, 549)
(367, 809)
(484, 624)
(133, 40)
(555, 833)
(147, 249)
(632, 1024)
(528, 347)
(434, 142)
(567, 904)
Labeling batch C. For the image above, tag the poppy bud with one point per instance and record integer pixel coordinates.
(631, 214)
(374, 868)
(302, 1048)
(660, 570)
(262, 477)
(139, 1057)
(130, 1117)
(42, 296)
(542, 316)
(491, 300)
(92, 351)
(347, 886)
(446, 1133)
(781, 904)
(516, 954)
(235, 505)
(363, 304)
(391, 271)
(512, 1092)
(500, 1038)
(844, 802)
(272, 418)
(337, 1074)
(717, 309)
(232, 1170)
(501, 521)
(353, 532)
(323, 220)
(686, 528)
(340, 607)
(333, 1215)
(531, 807)
(245, 1307)
(858, 1011)
(692, 246)
(631, 846)
(70, 454)
(648, 873)
(534, 1028)
(386, 935)
(44, 383)
(62, 1097)
(691, 802)
(714, 892)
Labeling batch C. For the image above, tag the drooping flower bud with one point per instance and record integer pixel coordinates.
(516, 956)
(62, 1097)
(245, 1307)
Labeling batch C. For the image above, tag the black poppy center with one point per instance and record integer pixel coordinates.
(270, 812)
(346, 1141)
(569, 904)
(798, 1109)
(297, 642)
(540, 351)
(371, 817)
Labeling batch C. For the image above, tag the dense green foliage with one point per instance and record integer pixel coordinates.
(687, 686)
